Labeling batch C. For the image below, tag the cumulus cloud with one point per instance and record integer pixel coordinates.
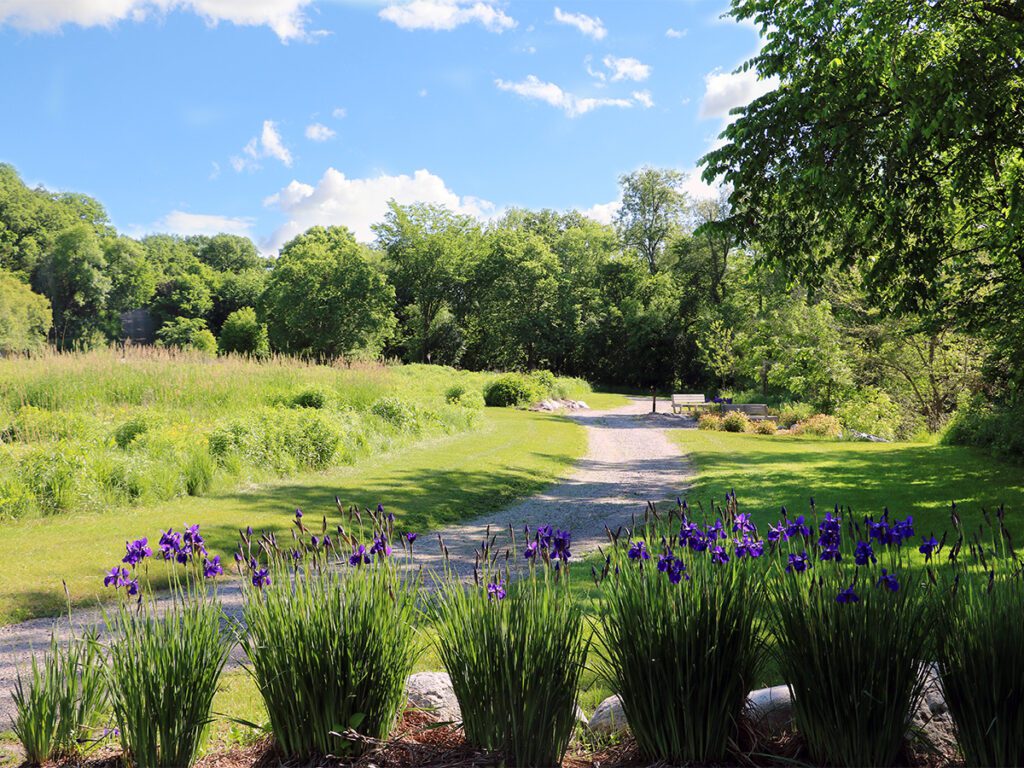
(319, 132)
(285, 17)
(643, 98)
(724, 91)
(591, 26)
(626, 68)
(603, 212)
(184, 223)
(675, 33)
(339, 113)
(359, 203)
(550, 93)
(447, 14)
(268, 144)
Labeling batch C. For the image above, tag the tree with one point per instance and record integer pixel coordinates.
(226, 253)
(187, 333)
(653, 205)
(427, 249)
(243, 334)
(325, 297)
(74, 279)
(892, 144)
(25, 317)
(132, 280)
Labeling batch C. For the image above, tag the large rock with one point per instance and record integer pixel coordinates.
(771, 709)
(433, 692)
(609, 718)
(932, 721)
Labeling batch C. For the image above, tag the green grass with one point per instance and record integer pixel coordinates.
(510, 455)
(920, 479)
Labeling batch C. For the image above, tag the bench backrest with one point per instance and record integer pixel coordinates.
(751, 409)
(687, 399)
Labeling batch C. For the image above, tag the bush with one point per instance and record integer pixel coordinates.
(709, 421)
(63, 701)
(790, 413)
(819, 425)
(126, 433)
(472, 400)
(329, 649)
(512, 389)
(872, 411)
(515, 653)
(243, 334)
(281, 439)
(398, 413)
(996, 429)
(56, 476)
(187, 333)
(735, 421)
(455, 392)
(688, 629)
(311, 397)
(764, 427)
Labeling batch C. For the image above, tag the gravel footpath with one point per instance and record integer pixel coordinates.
(629, 461)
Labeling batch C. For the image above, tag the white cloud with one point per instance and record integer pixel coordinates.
(676, 33)
(724, 91)
(627, 68)
(447, 14)
(591, 26)
(573, 106)
(284, 17)
(603, 212)
(319, 132)
(269, 144)
(183, 223)
(359, 203)
(214, 170)
(696, 188)
(339, 113)
(643, 98)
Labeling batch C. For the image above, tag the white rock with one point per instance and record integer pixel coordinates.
(581, 716)
(771, 709)
(581, 404)
(609, 718)
(433, 692)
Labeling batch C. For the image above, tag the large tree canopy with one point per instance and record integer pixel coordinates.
(894, 143)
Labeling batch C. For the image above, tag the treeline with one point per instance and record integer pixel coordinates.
(663, 297)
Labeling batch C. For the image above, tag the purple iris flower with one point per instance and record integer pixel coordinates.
(544, 535)
(136, 551)
(748, 547)
(864, 553)
(797, 527)
(719, 556)
(928, 546)
(716, 531)
(170, 544)
(117, 577)
(359, 556)
(212, 567)
(531, 550)
(797, 563)
(496, 590)
(411, 537)
(380, 546)
(689, 531)
(678, 572)
(888, 580)
(638, 551)
(742, 522)
(314, 541)
(191, 543)
(847, 596)
(238, 557)
(560, 546)
(261, 578)
(298, 514)
(776, 532)
(666, 561)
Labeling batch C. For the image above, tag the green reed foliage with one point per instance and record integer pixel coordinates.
(515, 652)
(682, 653)
(61, 704)
(330, 644)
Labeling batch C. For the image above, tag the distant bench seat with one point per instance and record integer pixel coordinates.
(754, 411)
(692, 403)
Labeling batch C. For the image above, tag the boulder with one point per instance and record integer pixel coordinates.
(771, 709)
(931, 721)
(433, 693)
(609, 718)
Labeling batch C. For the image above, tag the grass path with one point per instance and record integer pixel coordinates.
(511, 455)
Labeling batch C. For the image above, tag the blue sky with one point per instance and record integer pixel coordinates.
(265, 117)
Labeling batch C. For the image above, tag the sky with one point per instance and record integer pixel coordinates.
(266, 117)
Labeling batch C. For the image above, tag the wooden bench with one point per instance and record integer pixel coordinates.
(754, 411)
(688, 402)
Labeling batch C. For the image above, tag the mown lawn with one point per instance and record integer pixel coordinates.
(511, 455)
(920, 479)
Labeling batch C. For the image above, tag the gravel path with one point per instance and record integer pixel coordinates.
(629, 461)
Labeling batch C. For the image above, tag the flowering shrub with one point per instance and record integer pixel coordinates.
(709, 421)
(328, 632)
(735, 421)
(851, 627)
(165, 666)
(680, 618)
(819, 425)
(764, 427)
(515, 650)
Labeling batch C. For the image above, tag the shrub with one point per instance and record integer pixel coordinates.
(512, 389)
(279, 438)
(709, 421)
(515, 652)
(686, 627)
(819, 425)
(997, 429)
(790, 413)
(764, 427)
(311, 397)
(63, 700)
(165, 665)
(243, 334)
(735, 421)
(329, 649)
(472, 399)
(126, 433)
(855, 686)
(455, 392)
(398, 413)
(872, 411)
(187, 333)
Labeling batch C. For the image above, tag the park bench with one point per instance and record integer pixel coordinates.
(753, 411)
(688, 402)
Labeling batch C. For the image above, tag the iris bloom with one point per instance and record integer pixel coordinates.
(638, 551)
(136, 551)
(888, 580)
(797, 563)
(847, 596)
(261, 578)
(864, 553)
